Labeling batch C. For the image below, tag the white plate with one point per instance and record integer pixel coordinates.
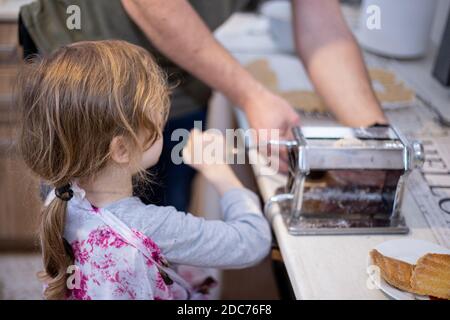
(407, 250)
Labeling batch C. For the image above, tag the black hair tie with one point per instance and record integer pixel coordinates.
(65, 193)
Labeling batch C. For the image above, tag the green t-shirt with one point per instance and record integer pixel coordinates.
(46, 20)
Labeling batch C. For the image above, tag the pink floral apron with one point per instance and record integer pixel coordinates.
(114, 261)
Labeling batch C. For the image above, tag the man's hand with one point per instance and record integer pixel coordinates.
(271, 112)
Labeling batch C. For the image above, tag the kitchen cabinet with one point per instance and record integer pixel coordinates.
(19, 196)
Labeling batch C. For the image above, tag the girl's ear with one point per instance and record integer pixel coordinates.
(119, 150)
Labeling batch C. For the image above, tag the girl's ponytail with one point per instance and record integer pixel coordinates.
(73, 103)
(57, 256)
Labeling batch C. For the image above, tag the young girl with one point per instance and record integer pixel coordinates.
(93, 115)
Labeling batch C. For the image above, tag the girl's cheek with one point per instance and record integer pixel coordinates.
(151, 156)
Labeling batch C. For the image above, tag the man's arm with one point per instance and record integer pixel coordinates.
(334, 62)
(178, 32)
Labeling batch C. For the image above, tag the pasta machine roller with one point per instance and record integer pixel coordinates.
(346, 181)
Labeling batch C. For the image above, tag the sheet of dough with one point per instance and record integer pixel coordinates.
(392, 91)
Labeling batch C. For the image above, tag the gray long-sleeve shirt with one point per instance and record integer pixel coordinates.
(242, 239)
(109, 266)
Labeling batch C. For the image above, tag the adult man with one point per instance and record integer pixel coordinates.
(178, 33)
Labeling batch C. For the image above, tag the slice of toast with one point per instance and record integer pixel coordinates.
(431, 276)
(395, 272)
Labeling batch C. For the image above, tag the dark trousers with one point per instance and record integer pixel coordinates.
(28, 45)
(172, 183)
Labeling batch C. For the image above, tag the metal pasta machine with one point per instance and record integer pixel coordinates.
(346, 181)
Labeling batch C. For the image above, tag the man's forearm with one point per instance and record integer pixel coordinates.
(179, 33)
(334, 62)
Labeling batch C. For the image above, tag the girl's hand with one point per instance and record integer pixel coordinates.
(206, 152)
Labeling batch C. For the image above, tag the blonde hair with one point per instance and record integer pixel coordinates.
(73, 103)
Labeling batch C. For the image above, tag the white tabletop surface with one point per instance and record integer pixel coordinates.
(9, 9)
(334, 267)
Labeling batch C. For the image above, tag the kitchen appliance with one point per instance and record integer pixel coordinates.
(346, 181)
(399, 29)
